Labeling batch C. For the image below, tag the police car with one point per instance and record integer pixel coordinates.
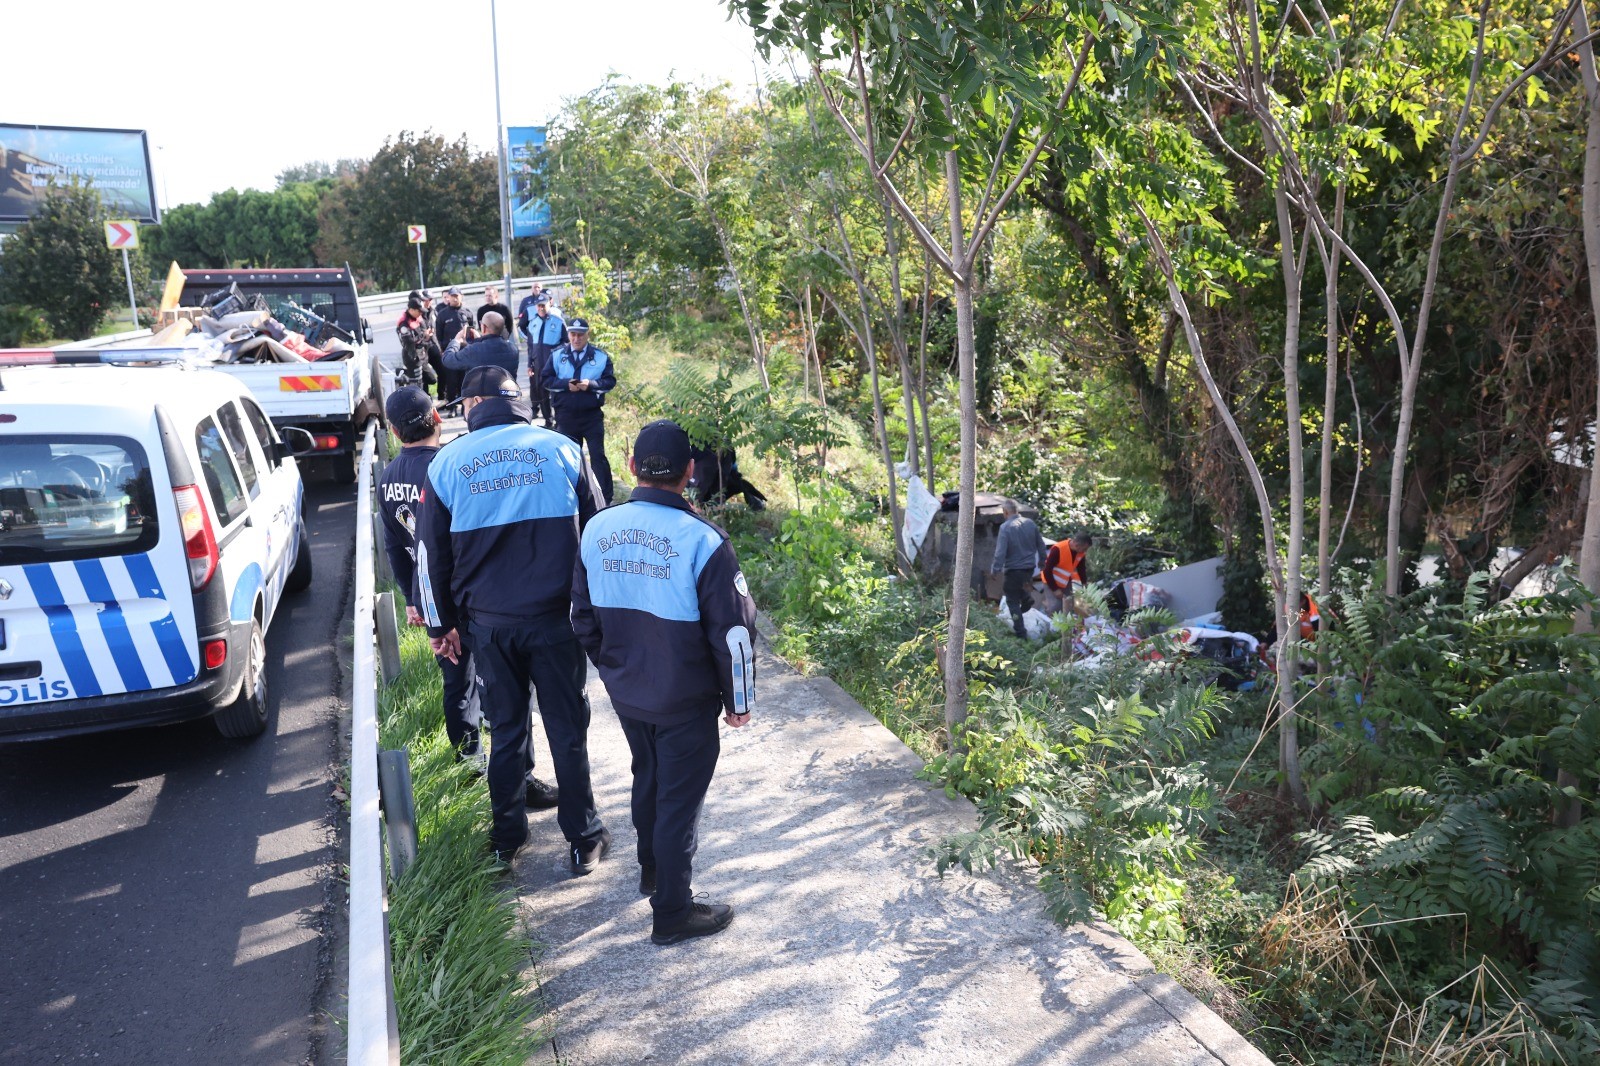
(151, 520)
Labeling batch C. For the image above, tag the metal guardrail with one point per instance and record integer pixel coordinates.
(375, 302)
(373, 1033)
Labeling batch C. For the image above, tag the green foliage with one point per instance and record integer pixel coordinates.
(458, 948)
(1443, 838)
(1097, 793)
(718, 412)
(413, 179)
(58, 262)
(240, 229)
(590, 302)
(21, 326)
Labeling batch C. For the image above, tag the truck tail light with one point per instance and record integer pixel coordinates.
(326, 442)
(199, 540)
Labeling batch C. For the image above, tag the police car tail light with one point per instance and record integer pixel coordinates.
(216, 653)
(199, 541)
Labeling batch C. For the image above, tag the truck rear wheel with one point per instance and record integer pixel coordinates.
(246, 716)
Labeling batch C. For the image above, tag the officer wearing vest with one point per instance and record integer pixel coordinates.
(497, 537)
(664, 613)
(546, 331)
(577, 379)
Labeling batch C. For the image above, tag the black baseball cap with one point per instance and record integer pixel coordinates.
(489, 381)
(662, 451)
(452, 291)
(407, 407)
(578, 325)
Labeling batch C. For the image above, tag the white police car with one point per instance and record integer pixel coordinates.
(150, 521)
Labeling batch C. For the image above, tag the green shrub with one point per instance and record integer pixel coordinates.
(22, 326)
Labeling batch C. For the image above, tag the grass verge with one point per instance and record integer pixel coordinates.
(460, 950)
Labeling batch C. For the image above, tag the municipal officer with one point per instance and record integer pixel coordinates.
(497, 538)
(664, 613)
(577, 379)
(413, 419)
(546, 332)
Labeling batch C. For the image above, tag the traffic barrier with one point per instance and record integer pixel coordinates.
(375, 302)
(399, 809)
(388, 638)
(372, 1033)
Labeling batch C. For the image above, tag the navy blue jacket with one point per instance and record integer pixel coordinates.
(592, 364)
(399, 496)
(485, 351)
(498, 530)
(663, 611)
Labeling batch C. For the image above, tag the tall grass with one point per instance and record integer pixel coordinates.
(460, 950)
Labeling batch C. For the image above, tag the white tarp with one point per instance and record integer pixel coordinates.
(921, 506)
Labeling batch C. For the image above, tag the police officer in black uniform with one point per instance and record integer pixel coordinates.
(664, 613)
(577, 379)
(497, 537)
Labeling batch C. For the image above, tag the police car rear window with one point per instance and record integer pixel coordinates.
(73, 497)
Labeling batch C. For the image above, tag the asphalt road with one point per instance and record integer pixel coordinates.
(167, 895)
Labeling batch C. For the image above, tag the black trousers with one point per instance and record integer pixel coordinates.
(461, 711)
(589, 428)
(672, 768)
(547, 659)
(538, 360)
(1019, 596)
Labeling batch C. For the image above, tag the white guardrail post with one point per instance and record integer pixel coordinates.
(373, 1034)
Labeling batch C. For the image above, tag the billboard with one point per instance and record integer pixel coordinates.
(116, 161)
(530, 217)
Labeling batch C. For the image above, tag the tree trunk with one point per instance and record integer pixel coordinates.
(955, 664)
(1589, 556)
(757, 351)
(1330, 400)
(1292, 788)
(922, 373)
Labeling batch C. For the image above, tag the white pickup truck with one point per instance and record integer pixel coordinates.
(331, 396)
(322, 378)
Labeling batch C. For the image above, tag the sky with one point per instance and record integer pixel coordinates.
(234, 92)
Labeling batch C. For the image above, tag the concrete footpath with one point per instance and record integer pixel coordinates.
(846, 948)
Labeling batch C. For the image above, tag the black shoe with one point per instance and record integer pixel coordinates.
(647, 880)
(541, 797)
(585, 857)
(705, 919)
(503, 855)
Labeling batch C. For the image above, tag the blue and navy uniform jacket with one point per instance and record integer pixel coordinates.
(591, 364)
(497, 534)
(399, 499)
(663, 611)
(485, 351)
(549, 332)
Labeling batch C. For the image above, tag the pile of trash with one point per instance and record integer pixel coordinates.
(232, 327)
(1098, 639)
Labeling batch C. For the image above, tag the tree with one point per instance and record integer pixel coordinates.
(985, 88)
(58, 262)
(320, 170)
(419, 179)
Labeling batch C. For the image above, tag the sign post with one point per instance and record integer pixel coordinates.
(122, 234)
(418, 235)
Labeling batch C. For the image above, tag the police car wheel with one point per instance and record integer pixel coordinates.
(246, 716)
(299, 578)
